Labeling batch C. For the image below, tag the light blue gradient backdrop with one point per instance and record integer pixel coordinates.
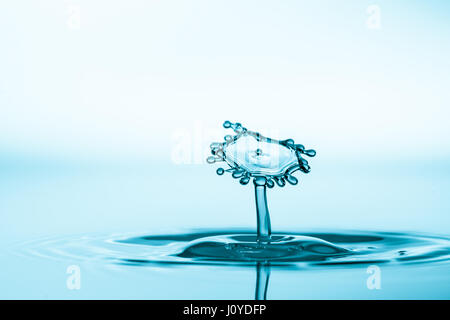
(89, 117)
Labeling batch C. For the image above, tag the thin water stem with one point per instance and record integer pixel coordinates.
(262, 281)
(262, 211)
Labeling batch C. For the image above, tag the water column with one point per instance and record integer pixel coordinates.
(262, 281)
(262, 211)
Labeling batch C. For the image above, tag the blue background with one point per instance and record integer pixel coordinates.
(105, 125)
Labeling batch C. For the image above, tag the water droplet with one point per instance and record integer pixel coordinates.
(227, 124)
(310, 152)
(302, 162)
(291, 179)
(288, 142)
(238, 128)
(211, 159)
(238, 173)
(245, 180)
(220, 171)
(228, 138)
(280, 181)
(270, 183)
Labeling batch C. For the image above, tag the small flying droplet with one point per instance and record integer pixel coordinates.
(220, 171)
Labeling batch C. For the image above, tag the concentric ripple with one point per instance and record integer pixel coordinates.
(306, 250)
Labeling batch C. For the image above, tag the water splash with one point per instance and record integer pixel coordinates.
(297, 250)
(238, 249)
(249, 155)
(268, 161)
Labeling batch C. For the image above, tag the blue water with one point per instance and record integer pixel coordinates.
(321, 72)
(108, 220)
